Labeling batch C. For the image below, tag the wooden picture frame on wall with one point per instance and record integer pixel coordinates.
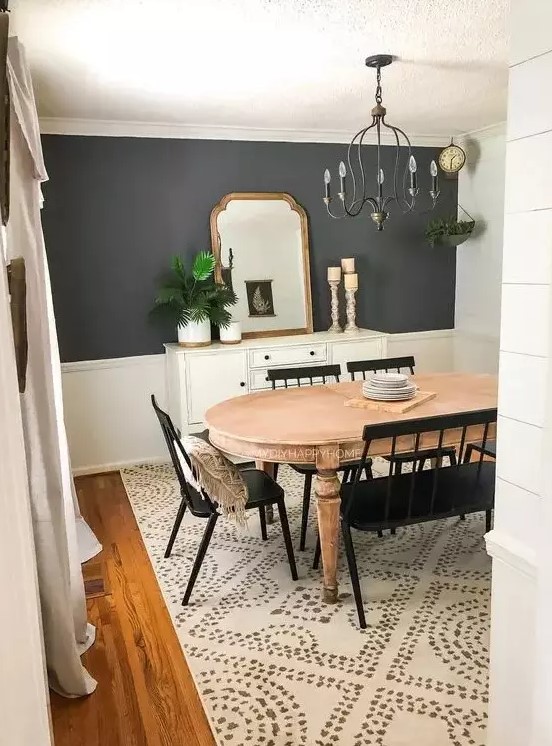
(216, 249)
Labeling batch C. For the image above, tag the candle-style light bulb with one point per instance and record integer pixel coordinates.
(413, 167)
(342, 175)
(381, 177)
(327, 179)
(434, 186)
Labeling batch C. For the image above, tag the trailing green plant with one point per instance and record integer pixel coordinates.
(442, 227)
(194, 295)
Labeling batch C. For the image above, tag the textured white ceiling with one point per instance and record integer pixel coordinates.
(289, 64)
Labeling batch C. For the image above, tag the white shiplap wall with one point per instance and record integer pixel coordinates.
(521, 649)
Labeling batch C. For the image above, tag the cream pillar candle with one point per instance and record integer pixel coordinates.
(334, 274)
(351, 286)
(351, 281)
(334, 279)
(348, 265)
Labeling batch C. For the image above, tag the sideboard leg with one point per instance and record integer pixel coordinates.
(269, 467)
(327, 486)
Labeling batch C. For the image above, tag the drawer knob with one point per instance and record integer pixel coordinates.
(312, 352)
(242, 383)
(266, 379)
(267, 357)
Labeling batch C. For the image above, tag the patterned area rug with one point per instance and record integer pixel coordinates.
(275, 666)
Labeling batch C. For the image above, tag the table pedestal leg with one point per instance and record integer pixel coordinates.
(327, 487)
(267, 466)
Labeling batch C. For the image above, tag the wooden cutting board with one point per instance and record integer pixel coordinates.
(395, 407)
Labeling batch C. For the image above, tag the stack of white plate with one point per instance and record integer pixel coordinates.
(389, 387)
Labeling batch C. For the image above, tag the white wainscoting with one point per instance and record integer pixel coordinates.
(475, 353)
(108, 414)
(433, 350)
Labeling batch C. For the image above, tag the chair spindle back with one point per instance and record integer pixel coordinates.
(312, 373)
(198, 502)
(387, 364)
(401, 488)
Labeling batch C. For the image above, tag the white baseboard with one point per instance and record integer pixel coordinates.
(80, 471)
(110, 423)
(512, 552)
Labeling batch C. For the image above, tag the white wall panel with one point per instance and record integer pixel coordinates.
(479, 260)
(527, 247)
(523, 387)
(528, 181)
(519, 454)
(525, 325)
(108, 414)
(512, 656)
(517, 513)
(531, 109)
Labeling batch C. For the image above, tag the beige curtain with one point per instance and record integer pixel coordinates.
(66, 632)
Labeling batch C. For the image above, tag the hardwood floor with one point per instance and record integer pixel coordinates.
(145, 694)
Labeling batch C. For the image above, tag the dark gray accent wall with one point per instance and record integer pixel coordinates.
(117, 208)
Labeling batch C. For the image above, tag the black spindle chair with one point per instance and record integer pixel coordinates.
(393, 364)
(489, 450)
(422, 495)
(262, 491)
(308, 376)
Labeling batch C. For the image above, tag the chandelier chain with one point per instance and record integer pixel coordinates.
(379, 98)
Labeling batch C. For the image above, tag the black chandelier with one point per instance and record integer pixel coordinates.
(404, 196)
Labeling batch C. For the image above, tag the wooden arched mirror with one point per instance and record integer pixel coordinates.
(261, 245)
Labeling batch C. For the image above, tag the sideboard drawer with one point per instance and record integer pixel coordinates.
(270, 357)
(258, 379)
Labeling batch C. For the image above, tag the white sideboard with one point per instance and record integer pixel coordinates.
(198, 378)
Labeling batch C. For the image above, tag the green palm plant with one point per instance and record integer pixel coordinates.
(194, 296)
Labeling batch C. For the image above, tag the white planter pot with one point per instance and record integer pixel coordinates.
(231, 335)
(195, 334)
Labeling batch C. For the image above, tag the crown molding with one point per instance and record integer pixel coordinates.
(485, 133)
(116, 128)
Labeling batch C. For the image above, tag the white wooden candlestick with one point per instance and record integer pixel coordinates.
(335, 327)
(350, 326)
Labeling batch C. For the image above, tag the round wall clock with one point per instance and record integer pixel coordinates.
(452, 158)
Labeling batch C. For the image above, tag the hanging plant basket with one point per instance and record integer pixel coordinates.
(458, 238)
(450, 231)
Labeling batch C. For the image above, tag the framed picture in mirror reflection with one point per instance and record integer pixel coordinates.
(260, 300)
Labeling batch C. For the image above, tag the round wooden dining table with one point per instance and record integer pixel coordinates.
(313, 425)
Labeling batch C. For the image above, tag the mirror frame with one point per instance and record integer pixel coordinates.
(216, 249)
